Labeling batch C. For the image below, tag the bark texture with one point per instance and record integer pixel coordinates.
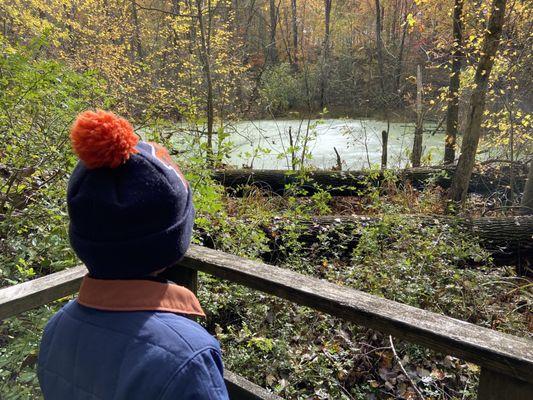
(526, 206)
(419, 126)
(472, 133)
(452, 113)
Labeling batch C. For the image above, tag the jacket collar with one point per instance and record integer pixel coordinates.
(138, 295)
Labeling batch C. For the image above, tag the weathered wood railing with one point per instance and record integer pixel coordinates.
(506, 361)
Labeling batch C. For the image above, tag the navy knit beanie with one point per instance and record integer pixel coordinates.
(130, 207)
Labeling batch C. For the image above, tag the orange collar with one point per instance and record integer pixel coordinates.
(138, 295)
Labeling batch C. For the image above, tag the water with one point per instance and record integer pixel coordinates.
(357, 141)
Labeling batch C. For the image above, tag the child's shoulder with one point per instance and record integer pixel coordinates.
(183, 330)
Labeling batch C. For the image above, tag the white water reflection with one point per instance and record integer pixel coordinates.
(357, 141)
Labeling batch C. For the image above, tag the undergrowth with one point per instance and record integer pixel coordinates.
(303, 354)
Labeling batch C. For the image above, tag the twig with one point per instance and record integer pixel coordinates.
(464, 390)
(403, 369)
(175, 14)
(345, 391)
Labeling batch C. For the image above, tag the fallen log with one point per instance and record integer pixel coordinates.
(508, 239)
(350, 183)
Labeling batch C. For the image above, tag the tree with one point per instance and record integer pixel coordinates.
(272, 49)
(381, 68)
(205, 58)
(419, 126)
(136, 37)
(526, 207)
(452, 113)
(325, 53)
(476, 107)
(294, 28)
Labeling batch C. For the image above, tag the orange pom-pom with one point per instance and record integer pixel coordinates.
(102, 139)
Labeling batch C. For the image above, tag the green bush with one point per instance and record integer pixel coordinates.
(280, 89)
(38, 101)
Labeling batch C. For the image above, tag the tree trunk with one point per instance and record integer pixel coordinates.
(472, 133)
(382, 101)
(272, 46)
(399, 61)
(325, 53)
(348, 183)
(526, 206)
(384, 149)
(452, 113)
(379, 51)
(419, 128)
(294, 28)
(205, 57)
(136, 39)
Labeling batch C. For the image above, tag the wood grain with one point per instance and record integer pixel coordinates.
(490, 349)
(37, 292)
(496, 352)
(494, 386)
(241, 389)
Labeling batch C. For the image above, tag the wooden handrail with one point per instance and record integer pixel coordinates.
(35, 293)
(498, 351)
(506, 360)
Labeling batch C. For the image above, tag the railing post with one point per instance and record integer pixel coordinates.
(182, 276)
(496, 386)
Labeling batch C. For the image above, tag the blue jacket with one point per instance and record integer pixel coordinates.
(124, 340)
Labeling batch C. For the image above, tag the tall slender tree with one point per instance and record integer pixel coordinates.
(324, 76)
(463, 172)
(526, 207)
(452, 113)
(272, 49)
(381, 69)
(419, 126)
(294, 28)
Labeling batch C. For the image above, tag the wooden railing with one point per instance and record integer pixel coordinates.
(506, 361)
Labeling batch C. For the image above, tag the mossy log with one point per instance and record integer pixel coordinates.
(349, 183)
(508, 239)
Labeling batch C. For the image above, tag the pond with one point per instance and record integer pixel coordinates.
(265, 144)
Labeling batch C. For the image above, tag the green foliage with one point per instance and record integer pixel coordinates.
(19, 349)
(38, 101)
(300, 353)
(282, 89)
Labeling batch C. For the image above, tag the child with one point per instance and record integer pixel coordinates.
(127, 336)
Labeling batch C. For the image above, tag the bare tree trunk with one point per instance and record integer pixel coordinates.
(379, 51)
(206, 68)
(477, 102)
(419, 128)
(384, 147)
(398, 71)
(452, 114)
(526, 207)
(272, 46)
(294, 26)
(325, 53)
(136, 39)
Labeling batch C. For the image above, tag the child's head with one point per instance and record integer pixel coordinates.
(130, 207)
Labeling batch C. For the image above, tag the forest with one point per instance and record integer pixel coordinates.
(381, 145)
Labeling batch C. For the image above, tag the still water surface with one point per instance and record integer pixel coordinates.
(358, 142)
